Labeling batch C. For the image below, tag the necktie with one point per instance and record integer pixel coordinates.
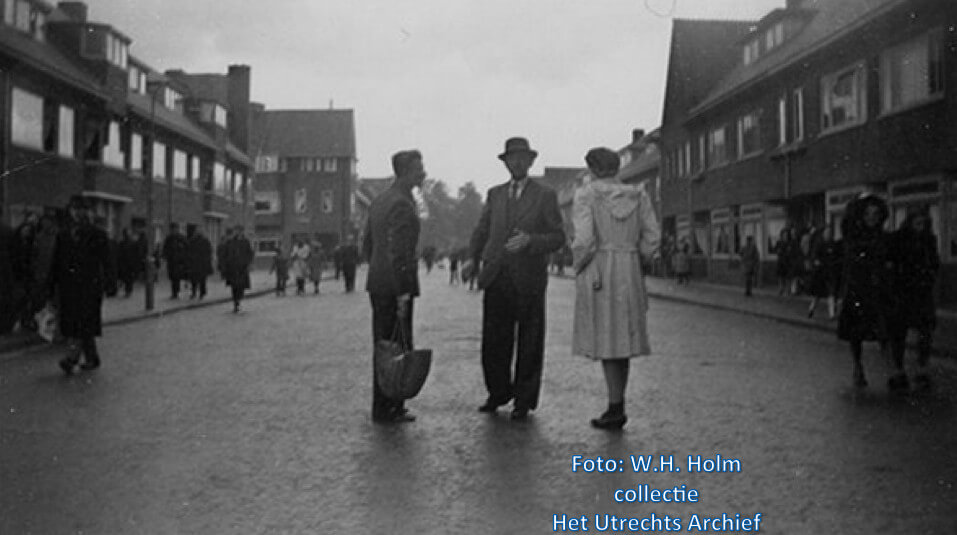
(514, 191)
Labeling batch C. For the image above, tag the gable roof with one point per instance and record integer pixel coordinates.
(213, 87)
(298, 133)
(47, 59)
(169, 119)
(702, 52)
(829, 20)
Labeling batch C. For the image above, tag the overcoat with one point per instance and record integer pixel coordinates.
(81, 274)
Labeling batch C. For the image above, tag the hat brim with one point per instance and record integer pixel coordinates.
(527, 151)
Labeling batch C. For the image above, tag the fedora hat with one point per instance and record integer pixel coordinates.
(516, 144)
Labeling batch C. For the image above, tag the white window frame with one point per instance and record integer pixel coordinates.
(195, 176)
(702, 153)
(774, 36)
(329, 165)
(927, 43)
(858, 72)
(219, 178)
(797, 112)
(136, 153)
(718, 158)
(782, 120)
(755, 118)
(180, 169)
(752, 50)
(112, 154)
(159, 162)
(66, 132)
(26, 128)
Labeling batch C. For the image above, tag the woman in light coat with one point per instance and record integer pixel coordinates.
(616, 237)
(299, 265)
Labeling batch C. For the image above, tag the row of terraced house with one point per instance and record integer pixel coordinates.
(779, 122)
(82, 116)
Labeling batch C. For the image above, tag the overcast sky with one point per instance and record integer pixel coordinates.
(453, 78)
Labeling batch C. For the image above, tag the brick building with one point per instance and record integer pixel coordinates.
(779, 122)
(306, 174)
(85, 117)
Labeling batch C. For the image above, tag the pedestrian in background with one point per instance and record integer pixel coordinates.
(280, 266)
(519, 228)
(127, 260)
(682, 263)
(825, 276)
(237, 257)
(616, 234)
(221, 252)
(24, 260)
(868, 278)
(317, 258)
(453, 267)
(391, 236)
(783, 251)
(917, 262)
(174, 252)
(82, 274)
(299, 265)
(348, 260)
(750, 261)
(337, 260)
(199, 254)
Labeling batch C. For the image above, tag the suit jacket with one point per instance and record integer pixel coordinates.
(391, 235)
(536, 213)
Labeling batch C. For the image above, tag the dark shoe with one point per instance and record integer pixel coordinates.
(520, 413)
(67, 364)
(898, 383)
(490, 406)
(609, 421)
(394, 416)
(90, 364)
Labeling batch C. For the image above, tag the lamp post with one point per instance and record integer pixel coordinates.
(157, 86)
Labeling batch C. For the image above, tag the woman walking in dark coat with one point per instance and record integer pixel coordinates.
(237, 256)
(127, 262)
(783, 250)
(917, 262)
(81, 275)
(825, 273)
(868, 278)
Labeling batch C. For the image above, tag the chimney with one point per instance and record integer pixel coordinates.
(637, 134)
(77, 11)
(238, 91)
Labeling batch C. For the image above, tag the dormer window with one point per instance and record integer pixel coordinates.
(102, 42)
(25, 16)
(211, 112)
(172, 99)
(751, 52)
(137, 78)
(774, 36)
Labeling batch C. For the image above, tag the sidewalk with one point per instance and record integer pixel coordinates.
(792, 310)
(119, 310)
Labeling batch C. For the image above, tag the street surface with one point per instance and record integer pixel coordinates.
(208, 422)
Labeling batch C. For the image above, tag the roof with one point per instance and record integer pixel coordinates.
(46, 58)
(169, 119)
(829, 19)
(702, 52)
(559, 177)
(213, 87)
(304, 133)
(646, 155)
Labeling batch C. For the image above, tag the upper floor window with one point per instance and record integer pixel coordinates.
(219, 178)
(774, 36)
(117, 51)
(912, 72)
(308, 164)
(238, 185)
(65, 131)
(327, 201)
(797, 114)
(159, 162)
(136, 153)
(329, 165)
(751, 51)
(782, 120)
(211, 112)
(194, 173)
(717, 147)
(749, 134)
(113, 154)
(180, 169)
(137, 80)
(25, 16)
(702, 153)
(26, 125)
(172, 99)
(844, 98)
(267, 163)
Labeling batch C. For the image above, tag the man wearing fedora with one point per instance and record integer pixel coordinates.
(519, 228)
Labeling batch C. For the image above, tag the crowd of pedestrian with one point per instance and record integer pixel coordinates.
(305, 263)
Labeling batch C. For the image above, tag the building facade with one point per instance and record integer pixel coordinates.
(814, 104)
(306, 175)
(84, 117)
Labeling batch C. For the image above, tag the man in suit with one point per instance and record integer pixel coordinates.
(391, 235)
(348, 260)
(519, 227)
